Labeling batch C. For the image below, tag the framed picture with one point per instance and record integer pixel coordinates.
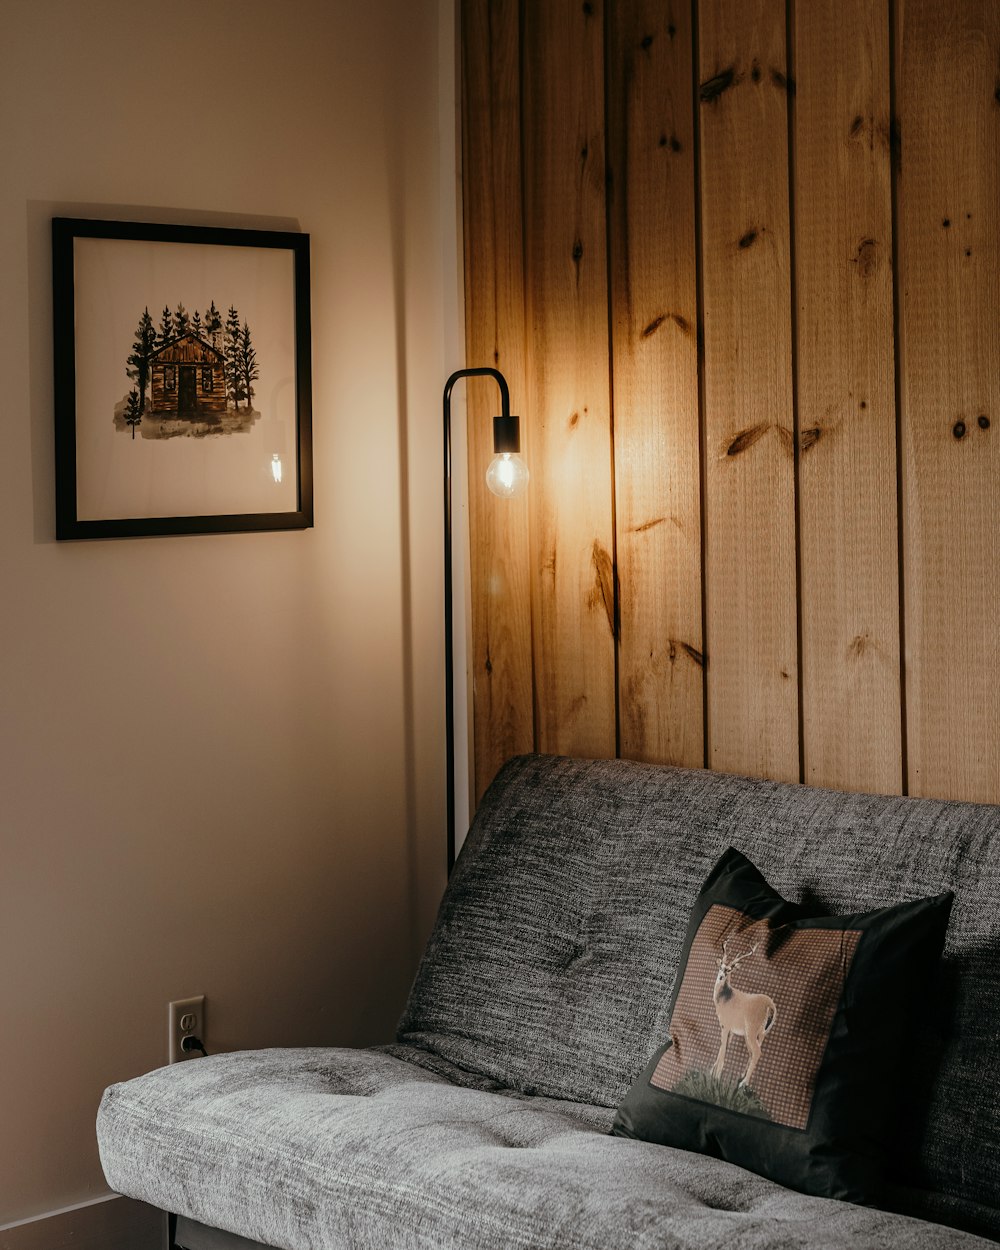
(182, 379)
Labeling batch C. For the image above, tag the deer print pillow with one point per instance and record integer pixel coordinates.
(786, 1034)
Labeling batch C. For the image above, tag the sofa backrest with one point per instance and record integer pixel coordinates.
(552, 961)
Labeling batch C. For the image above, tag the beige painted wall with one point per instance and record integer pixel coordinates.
(210, 780)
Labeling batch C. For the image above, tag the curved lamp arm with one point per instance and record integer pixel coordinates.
(505, 439)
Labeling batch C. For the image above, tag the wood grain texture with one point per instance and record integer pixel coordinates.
(494, 305)
(567, 332)
(948, 70)
(750, 575)
(655, 389)
(846, 397)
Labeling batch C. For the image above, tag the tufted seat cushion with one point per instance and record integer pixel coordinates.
(300, 1149)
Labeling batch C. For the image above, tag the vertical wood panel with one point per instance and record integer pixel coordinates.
(566, 288)
(948, 54)
(846, 399)
(655, 376)
(494, 304)
(750, 577)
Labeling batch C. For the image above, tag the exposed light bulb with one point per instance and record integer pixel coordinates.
(276, 467)
(507, 476)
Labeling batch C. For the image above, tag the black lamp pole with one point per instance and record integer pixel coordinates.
(505, 438)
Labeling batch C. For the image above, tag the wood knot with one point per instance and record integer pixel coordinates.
(489, 665)
(576, 706)
(695, 654)
(672, 30)
(653, 326)
(958, 429)
(856, 126)
(859, 645)
(647, 43)
(755, 74)
(809, 438)
(680, 322)
(603, 591)
(710, 90)
(866, 258)
(983, 422)
(648, 525)
(574, 420)
(748, 239)
(782, 81)
(746, 439)
(676, 645)
(577, 251)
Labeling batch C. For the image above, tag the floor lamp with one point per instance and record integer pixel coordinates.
(507, 477)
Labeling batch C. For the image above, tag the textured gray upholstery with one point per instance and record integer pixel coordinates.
(543, 990)
(567, 912)
(322, 1149)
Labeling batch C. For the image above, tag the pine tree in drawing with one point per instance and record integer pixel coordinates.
(166, 332)
(133, 410)
(138, 361)
(247, 363)
(182, 322)
(213, 327)
(234, 377)
(196, 326)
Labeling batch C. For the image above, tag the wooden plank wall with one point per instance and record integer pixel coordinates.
(738, 258)
(494, 307)
(568, 391)
(654, 320)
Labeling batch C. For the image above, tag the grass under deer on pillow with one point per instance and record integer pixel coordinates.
(724, 1093)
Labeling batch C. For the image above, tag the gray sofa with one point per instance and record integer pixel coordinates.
(543, 991)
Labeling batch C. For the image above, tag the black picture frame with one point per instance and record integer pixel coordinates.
(92, 416)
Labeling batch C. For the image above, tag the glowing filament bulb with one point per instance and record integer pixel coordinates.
(507, 475)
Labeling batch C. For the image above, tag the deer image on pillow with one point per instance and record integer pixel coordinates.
(728, 1046)
(750, 1016)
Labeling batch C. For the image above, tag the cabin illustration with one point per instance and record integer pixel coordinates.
(187, 378)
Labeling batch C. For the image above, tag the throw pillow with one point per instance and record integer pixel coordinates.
(788, 1034)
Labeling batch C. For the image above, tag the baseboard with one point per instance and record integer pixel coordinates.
(107, 1224)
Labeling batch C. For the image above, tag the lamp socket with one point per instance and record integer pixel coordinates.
(185, 1018)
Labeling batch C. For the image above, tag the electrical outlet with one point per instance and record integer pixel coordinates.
(185, 1018)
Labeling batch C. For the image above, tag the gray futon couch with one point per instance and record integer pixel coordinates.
(544, 989)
